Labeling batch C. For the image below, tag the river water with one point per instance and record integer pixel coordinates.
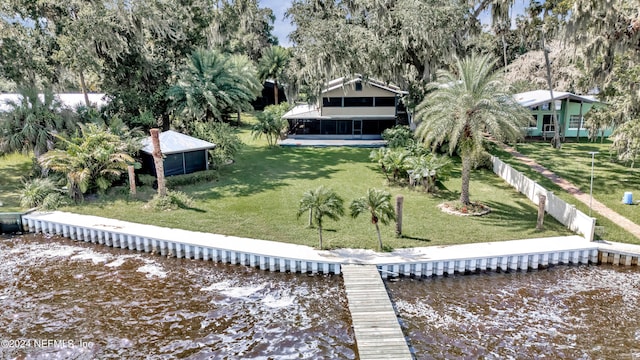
(581, 312)
(62, 299)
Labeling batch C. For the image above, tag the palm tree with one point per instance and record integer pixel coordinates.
(377, 203)
(273, 63)
(464, 107)
(91, 160)
(31, 123)
(212, 85)
(321, 202)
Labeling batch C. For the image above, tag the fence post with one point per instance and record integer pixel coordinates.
(399, 203)
(542, 199)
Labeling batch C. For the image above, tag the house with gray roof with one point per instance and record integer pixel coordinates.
(570, 110)
(183, 154)
(349, 109)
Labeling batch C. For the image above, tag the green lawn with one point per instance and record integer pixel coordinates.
(12, 168)
(258, 197)
(573, 162)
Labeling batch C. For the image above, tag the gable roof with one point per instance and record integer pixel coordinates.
(537, 97)
(303, 111)
(172, 142)
(341, 82)
(67, 100)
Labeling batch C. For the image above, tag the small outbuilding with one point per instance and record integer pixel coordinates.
(183, 154)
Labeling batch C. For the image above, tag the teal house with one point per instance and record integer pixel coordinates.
(570, 110)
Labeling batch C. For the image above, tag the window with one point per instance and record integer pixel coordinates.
(533, 108)
(358, 101)
(358, 86)
(547, 123)
(332, 102)
(575, 122)
(547, 106)
(533, 123)
(386, 101)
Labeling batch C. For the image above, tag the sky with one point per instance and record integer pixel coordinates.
(282, 27)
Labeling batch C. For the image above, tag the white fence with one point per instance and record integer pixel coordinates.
(565, 213)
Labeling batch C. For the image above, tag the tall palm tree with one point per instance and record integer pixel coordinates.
(31, 122)
(321, 202)
(273, 63)
(212, 85)
(377, 203)
(464, 107)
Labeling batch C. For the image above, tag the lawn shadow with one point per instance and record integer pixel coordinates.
(261, 169)
(520, 217)
(416, 238)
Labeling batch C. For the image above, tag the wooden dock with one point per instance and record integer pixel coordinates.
(377, 330)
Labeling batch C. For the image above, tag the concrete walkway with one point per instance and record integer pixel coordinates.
(570, 188)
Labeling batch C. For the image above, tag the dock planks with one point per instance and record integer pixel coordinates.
(377, 330)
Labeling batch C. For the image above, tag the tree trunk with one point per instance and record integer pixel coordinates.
(158, 161)
(555, 142)
(504, 49)
(379, 237)
(311, 217)
(83, 85)
(320, 234)
(132, 180)
(466, 178)
(399, 203)
(166, 122)
(275, 91)
(580, 123)
(542, 199)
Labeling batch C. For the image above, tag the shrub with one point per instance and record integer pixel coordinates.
(146, 179)
(42, 193)
(399, 136)
(271, 124)
(483, 161)
(173, 200)
(224, 136)
(190, 179)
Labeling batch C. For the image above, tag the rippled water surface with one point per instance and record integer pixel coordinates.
(121, 304)
(586, 312)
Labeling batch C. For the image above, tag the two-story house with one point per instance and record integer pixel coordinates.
(354, 109)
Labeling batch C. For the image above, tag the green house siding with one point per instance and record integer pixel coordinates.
(568, 120)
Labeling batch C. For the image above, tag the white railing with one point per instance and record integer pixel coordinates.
(565, 213)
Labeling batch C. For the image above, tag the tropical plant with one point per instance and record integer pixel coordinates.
(42, 193)
(378, 156)
(320, 203)
(398, 136)
(377, 204)
(90, 160)
(31, 122)
(394, 160)
(225, 138)
(271, 124)
(171, 201)
(428, 169)
(464, 106)
(212, 85)
(272, 65)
